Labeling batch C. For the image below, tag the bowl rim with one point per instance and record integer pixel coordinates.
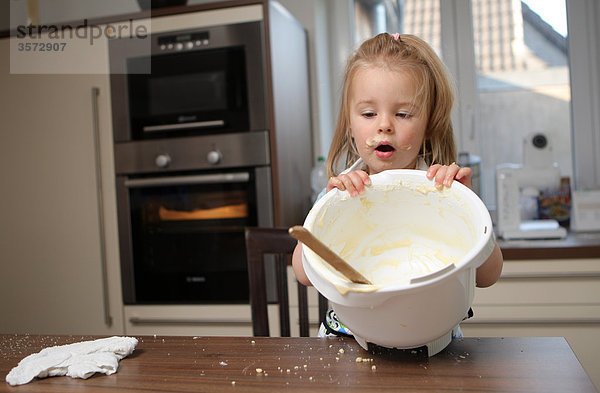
(472, 259)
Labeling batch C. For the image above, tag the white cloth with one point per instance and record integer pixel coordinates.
(77, 360)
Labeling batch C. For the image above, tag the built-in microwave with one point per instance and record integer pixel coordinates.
(190, 82)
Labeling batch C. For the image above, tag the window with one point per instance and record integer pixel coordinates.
(418, 17)
(518, 71)
(523, 86)
(560, 69)
(372, 17)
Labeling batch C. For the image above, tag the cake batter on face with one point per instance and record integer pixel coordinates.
(386, 124)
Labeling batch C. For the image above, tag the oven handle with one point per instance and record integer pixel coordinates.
(103, 263)
(237, 177)
(184, 126)
(207, 321)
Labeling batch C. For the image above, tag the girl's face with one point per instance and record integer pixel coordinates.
(386, 122)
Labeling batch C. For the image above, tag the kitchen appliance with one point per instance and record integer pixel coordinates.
(419, 246)
(192, 161)
(518, 188)
(181, 232)
(194, 82)
(212, 134)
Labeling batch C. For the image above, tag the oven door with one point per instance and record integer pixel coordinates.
(185, 242)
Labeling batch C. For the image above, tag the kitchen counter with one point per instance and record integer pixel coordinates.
(261, 364)
(575, 245)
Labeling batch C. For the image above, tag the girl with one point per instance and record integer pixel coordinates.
(395, 114)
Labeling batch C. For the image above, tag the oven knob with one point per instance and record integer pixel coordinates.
(214, 157)
(162, 160)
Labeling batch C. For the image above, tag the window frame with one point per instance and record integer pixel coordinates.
(584, 59)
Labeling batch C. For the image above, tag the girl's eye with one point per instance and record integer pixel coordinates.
(368, 114)
(404, 115)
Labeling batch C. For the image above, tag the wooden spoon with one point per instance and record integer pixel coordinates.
(302, 234)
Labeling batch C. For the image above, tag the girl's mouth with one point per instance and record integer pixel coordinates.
(384, 150)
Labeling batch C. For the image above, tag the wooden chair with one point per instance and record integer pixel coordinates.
(274, 241)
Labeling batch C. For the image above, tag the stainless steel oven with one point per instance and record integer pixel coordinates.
(181, 230)
(192, 162)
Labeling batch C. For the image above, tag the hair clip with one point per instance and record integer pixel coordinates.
(396, 37)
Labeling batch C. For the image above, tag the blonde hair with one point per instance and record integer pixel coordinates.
(406, 54)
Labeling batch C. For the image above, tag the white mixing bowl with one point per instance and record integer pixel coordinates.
(418, 245)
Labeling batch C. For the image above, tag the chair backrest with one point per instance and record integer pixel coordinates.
(277, 242)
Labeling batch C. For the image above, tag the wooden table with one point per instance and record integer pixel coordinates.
(259, 364)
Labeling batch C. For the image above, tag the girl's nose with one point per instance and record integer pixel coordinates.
(384, 124)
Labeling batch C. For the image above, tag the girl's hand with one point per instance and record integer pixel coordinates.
(445, 174)
(354, 182)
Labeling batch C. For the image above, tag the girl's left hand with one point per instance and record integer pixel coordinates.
(445, 174)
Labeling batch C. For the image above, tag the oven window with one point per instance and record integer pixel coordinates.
(189, 93)
(188, 242)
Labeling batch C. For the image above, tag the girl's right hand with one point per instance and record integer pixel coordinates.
(354, 182)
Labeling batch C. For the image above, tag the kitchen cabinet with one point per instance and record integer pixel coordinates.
(553, 297)
(57, 205)
(189, 320)
(218, 320)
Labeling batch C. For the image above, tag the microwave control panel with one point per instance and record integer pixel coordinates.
(183, 41)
